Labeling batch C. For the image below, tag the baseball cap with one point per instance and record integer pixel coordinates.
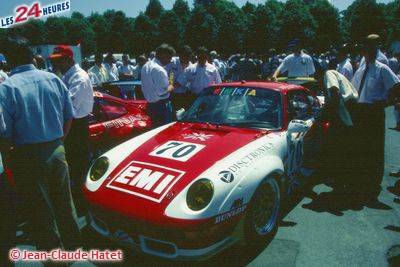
(62, 51)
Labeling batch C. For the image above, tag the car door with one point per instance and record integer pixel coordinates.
(302, 132)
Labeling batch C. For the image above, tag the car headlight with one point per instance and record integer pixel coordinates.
(200, 194)
(99, 168)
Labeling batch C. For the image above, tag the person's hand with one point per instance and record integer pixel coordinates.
(170, 88)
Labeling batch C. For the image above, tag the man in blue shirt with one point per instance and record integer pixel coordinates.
(37, 112)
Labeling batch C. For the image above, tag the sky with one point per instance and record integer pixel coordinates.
(130, 7)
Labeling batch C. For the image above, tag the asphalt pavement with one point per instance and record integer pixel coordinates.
(324, 237)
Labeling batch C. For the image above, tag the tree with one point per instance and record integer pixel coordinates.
(230, 22)
(364, 17)
(182, 10)
(56, 30)
(154, 10)
(392, 13)
(79, 31)
(145, 36)
(35, 31)
(201, 29)
(263, 27)
(101, 28)
(171, 29)
(327, 21)
(297, 22)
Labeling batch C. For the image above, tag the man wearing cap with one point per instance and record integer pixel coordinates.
(3, 62)
(344, 67)
(127, 71)
(38, 111)
(76, 144)
(98, 73)
(297, 64)
(374, 81)
(157, 87)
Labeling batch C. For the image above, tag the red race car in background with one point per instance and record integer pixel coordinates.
(114, 120)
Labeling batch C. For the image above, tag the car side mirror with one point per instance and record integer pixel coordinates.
(298, 126)
(180, 114)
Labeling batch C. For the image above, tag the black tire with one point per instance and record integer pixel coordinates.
(261, 219)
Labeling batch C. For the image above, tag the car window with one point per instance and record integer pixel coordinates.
(112, 110)
(97, 115)
(300, 105)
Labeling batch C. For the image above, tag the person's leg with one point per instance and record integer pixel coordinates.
(28, 173)
(7, 221)
(77, 153)
(60, 197)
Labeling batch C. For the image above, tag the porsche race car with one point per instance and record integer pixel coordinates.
(219, 174)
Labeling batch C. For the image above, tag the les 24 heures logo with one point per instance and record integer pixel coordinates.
(24, 12)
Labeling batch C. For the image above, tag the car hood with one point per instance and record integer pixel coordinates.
(165, 162)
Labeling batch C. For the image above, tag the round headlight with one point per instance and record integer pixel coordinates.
(200, 194)
(99, 168)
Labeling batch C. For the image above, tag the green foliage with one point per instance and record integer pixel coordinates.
(219, 25)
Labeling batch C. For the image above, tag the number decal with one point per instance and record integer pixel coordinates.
(176, 150)
(169, 146)
(22, 10)
(34, 11)
(184, 151)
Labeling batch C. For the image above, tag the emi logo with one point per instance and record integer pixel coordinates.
(145, 180)
(226, 176)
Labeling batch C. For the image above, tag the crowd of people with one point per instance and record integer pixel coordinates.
(44, 117)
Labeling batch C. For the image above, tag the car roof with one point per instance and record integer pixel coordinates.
(276, 86)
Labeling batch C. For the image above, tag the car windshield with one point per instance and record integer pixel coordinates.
(237, 106)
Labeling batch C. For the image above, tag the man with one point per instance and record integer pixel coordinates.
(200, 75)
(156, 86)
(340, 95)
(77, 142)
(126, 70)
(271, 64)
(373, 80)
(141, 60)
(297, 64)
(98, 74)
(38, 112)
(177, 67)
(7, 205)
(247, 69)
(3, 62)
(111, 67)
(344, 67)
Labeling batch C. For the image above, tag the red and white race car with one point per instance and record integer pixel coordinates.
(114, 120)
(188, 189)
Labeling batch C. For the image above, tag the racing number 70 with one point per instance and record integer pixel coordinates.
(180, 149)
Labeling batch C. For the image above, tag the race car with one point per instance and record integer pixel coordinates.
(219, 174)
(114, 120)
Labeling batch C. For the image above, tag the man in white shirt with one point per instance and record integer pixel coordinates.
(344, 67)
(177, 68)
(111, 67)
(374, 81)
(297, 64)
(98, 74)
(156, 86)
(200, 75)
(126, 70)
(77, 141)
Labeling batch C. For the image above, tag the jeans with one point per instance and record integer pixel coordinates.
(160, 112)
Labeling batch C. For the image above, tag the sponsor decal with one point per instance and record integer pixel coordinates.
(197, 136)
(145, 180)
(121, 122)
(24, 13)
(177, 150)
(250, 158)
(230, 214)
(226, 176)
